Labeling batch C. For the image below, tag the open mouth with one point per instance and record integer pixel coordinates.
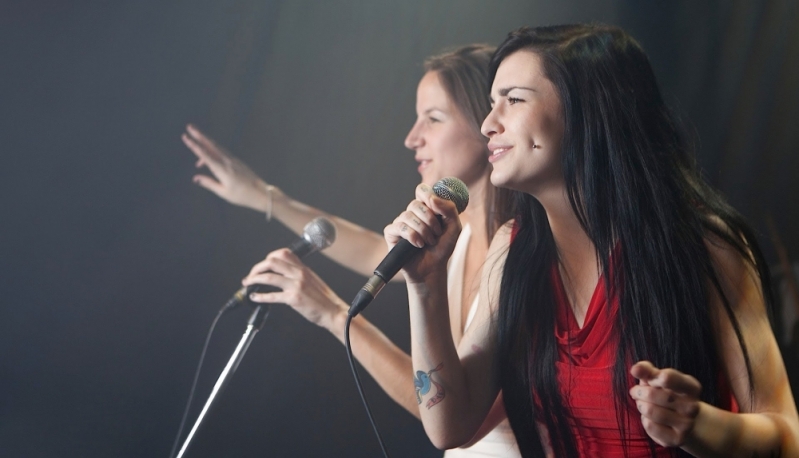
(497, 153)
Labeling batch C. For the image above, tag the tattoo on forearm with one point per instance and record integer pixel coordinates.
(423, 381)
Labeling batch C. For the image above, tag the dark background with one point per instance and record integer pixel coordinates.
(113, 264)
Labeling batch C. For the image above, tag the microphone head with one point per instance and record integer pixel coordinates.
(454, 190)
(320, 233)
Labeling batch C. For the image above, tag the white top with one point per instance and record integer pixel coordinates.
(500, 442)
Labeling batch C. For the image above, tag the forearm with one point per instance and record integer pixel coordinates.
(356, 248)
(386, 363)
(719, 433)
(448, 411)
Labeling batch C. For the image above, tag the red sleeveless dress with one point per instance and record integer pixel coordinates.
(585, 374)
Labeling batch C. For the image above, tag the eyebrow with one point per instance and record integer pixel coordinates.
(506, 90)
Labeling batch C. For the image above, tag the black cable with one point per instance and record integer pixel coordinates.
(194, 384)
(358, 384)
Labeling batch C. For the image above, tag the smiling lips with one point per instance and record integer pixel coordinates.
(423, 163)
(497, 151)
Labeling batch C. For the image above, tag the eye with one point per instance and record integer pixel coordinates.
(433, 119)
(514, 100)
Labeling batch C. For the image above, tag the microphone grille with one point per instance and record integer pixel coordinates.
(454, 190)
(320, 233)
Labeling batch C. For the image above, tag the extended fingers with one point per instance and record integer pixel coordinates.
(208, 153)
(208, 183)
(194, 147)
(199, 137)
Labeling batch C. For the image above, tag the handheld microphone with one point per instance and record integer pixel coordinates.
(449, 188)
(317, 235)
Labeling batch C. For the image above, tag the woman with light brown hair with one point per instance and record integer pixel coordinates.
(451, 103)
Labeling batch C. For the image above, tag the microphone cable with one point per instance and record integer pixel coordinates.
(196, 377)
(360, 388)
(219, 314)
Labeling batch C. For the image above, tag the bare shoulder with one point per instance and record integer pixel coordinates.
(735, 270)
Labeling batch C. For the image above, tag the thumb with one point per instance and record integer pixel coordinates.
(644, 371)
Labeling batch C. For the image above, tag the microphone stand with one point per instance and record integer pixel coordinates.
(254, 324)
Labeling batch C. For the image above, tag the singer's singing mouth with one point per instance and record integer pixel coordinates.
(497, 152)
(423, 163)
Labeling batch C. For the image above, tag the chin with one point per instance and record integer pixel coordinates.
(499, 180)
(507, 183)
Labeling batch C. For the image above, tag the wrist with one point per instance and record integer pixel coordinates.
(711, 430)
(269, 197)
(429, 283)
(336, 321)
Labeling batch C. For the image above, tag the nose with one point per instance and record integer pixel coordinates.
(491, 124)
(414, 138)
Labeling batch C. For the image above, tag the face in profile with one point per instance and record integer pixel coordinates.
(525, 127)
(444, 142)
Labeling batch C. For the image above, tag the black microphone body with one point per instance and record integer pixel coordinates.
(317, 235)
(448, 188)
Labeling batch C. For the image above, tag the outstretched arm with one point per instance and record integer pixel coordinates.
(356, 248)
(306, 293)
(768, 424)
(456, 386)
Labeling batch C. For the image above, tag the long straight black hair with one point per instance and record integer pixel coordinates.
(632, 181)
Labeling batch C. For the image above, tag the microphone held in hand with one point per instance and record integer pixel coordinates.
(317, 235)
(449, 188)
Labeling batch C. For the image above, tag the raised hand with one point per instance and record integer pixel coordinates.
(231, 179)
(302, 289)
(668, 401)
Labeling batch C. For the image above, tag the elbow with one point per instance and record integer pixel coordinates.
(445, 444)
(445, 440)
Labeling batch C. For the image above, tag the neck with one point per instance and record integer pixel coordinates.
(476, 213)
(576, 251)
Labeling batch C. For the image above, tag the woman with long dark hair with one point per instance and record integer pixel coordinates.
(451, 102)
(625, 308)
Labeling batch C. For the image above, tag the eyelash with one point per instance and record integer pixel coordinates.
(514, 100)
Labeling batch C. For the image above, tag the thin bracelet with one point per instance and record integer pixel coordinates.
(270, 202)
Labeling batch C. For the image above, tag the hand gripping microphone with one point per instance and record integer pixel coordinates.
(449, 188)
(317, 235)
